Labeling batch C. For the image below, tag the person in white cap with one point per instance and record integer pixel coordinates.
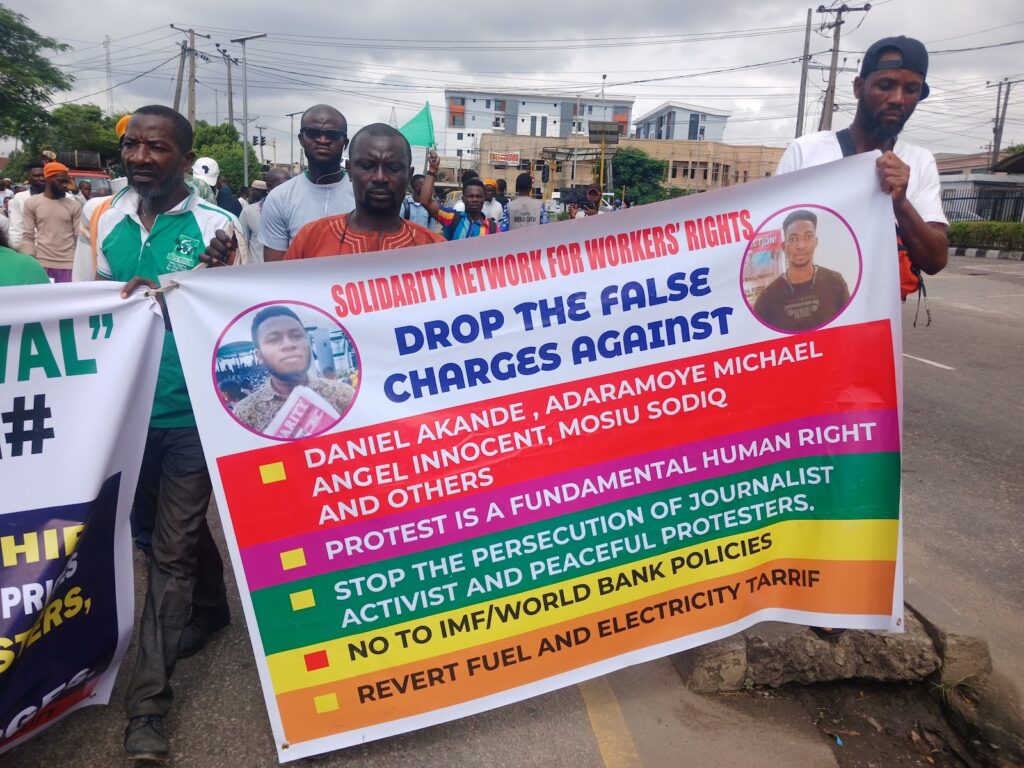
(205, 171)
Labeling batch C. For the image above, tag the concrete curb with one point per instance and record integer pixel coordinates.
(979, 703)
(988, 253)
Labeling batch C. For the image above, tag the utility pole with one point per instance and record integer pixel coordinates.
(245, 103)
(291, 158)
(231, 100)
(181, 76)
(803, 78)
(192, 70)
(1003, 96)
(261, 129)
(110, 81)
(830, 94)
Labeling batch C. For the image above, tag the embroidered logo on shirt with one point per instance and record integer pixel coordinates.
(185, 254)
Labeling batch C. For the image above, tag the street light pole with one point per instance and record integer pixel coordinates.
(291, 158)
(245, 104)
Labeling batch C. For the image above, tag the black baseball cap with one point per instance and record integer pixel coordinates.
(913, 56)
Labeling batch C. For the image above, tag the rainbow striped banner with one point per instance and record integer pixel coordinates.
(554, 464)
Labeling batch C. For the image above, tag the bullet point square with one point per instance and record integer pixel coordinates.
(272, 473)
(293, 558)
(326, 703)
(302, 600)
(316, 660)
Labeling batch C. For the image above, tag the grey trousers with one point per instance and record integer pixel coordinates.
(185, 567)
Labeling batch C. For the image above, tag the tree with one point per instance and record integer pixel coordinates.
(83, 127)
(642, 175)
(28, 79)
(206, 134)
(1013, 149)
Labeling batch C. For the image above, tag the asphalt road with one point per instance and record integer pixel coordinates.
(964, 453)
(964, 435)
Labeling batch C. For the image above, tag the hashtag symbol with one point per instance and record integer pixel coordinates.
(19, 416)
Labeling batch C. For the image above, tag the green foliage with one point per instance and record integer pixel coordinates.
(1004, 235)
(229, 158)
(206, 135)
(642, 175)
(83, 127)
(28, 79)
(1013, 149)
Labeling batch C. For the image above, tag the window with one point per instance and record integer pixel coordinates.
(538, 165)
(590, 109)
(457, 121)
(524, 165)
(458, 101)
(474, 101)
(471, 135)
(524, 103)
(458, 153)
(499, 105)
(459, 136)
(674, 170)
(499, 123)
(487, 104)
(744, 175)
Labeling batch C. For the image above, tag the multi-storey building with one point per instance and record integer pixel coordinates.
(471, 114)
(676, 120)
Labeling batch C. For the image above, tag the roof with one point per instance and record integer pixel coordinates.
(1012, 164)
(682, 105)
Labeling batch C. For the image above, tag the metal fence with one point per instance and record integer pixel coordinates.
(984, 205)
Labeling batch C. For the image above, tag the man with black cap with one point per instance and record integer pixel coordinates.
(891, 83)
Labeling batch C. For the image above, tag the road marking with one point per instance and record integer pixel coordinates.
(618, 750)
(930, 362)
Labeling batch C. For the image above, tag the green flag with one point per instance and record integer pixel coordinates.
(420, 130)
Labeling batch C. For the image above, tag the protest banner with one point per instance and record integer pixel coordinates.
(78, 366)
(559, 451)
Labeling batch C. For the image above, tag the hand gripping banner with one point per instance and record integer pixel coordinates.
(457, 476)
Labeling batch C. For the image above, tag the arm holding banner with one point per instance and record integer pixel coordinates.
(927, 242)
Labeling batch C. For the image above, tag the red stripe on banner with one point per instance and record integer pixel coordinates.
(275, 492)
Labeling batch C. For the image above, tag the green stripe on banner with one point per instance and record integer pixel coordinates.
(299, 613)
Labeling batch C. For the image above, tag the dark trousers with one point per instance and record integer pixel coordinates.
(185, 567)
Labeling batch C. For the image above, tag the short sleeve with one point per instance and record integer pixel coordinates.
(274, 225)
(927, 197)
(790, 160)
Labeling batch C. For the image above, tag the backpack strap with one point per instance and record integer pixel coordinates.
(405, 208)
(845, 139)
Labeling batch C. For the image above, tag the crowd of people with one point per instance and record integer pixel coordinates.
(374, 204)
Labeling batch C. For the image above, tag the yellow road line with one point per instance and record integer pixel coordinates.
(618, 750)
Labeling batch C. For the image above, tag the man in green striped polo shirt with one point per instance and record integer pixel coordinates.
(157, 225)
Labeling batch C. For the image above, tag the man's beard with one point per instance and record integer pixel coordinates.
(149, 190)
(884, 131)
(58, 191)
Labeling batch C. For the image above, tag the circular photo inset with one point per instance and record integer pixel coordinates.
(801, 268)
(286, 370)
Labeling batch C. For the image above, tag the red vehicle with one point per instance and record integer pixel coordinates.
(86, 166)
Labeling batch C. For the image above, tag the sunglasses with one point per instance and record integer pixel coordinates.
(316, 133)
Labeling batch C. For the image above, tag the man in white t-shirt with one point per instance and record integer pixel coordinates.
(323, 190)
(891, 83)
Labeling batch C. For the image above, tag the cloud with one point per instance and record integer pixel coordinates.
(399, 55)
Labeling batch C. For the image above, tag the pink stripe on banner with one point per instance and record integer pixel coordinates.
(263, 565)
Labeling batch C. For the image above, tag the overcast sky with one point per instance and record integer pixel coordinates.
(401, 54)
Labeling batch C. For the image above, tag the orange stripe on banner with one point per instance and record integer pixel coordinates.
(853, 587)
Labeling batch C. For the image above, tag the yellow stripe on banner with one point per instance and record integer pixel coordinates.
(794, 539)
